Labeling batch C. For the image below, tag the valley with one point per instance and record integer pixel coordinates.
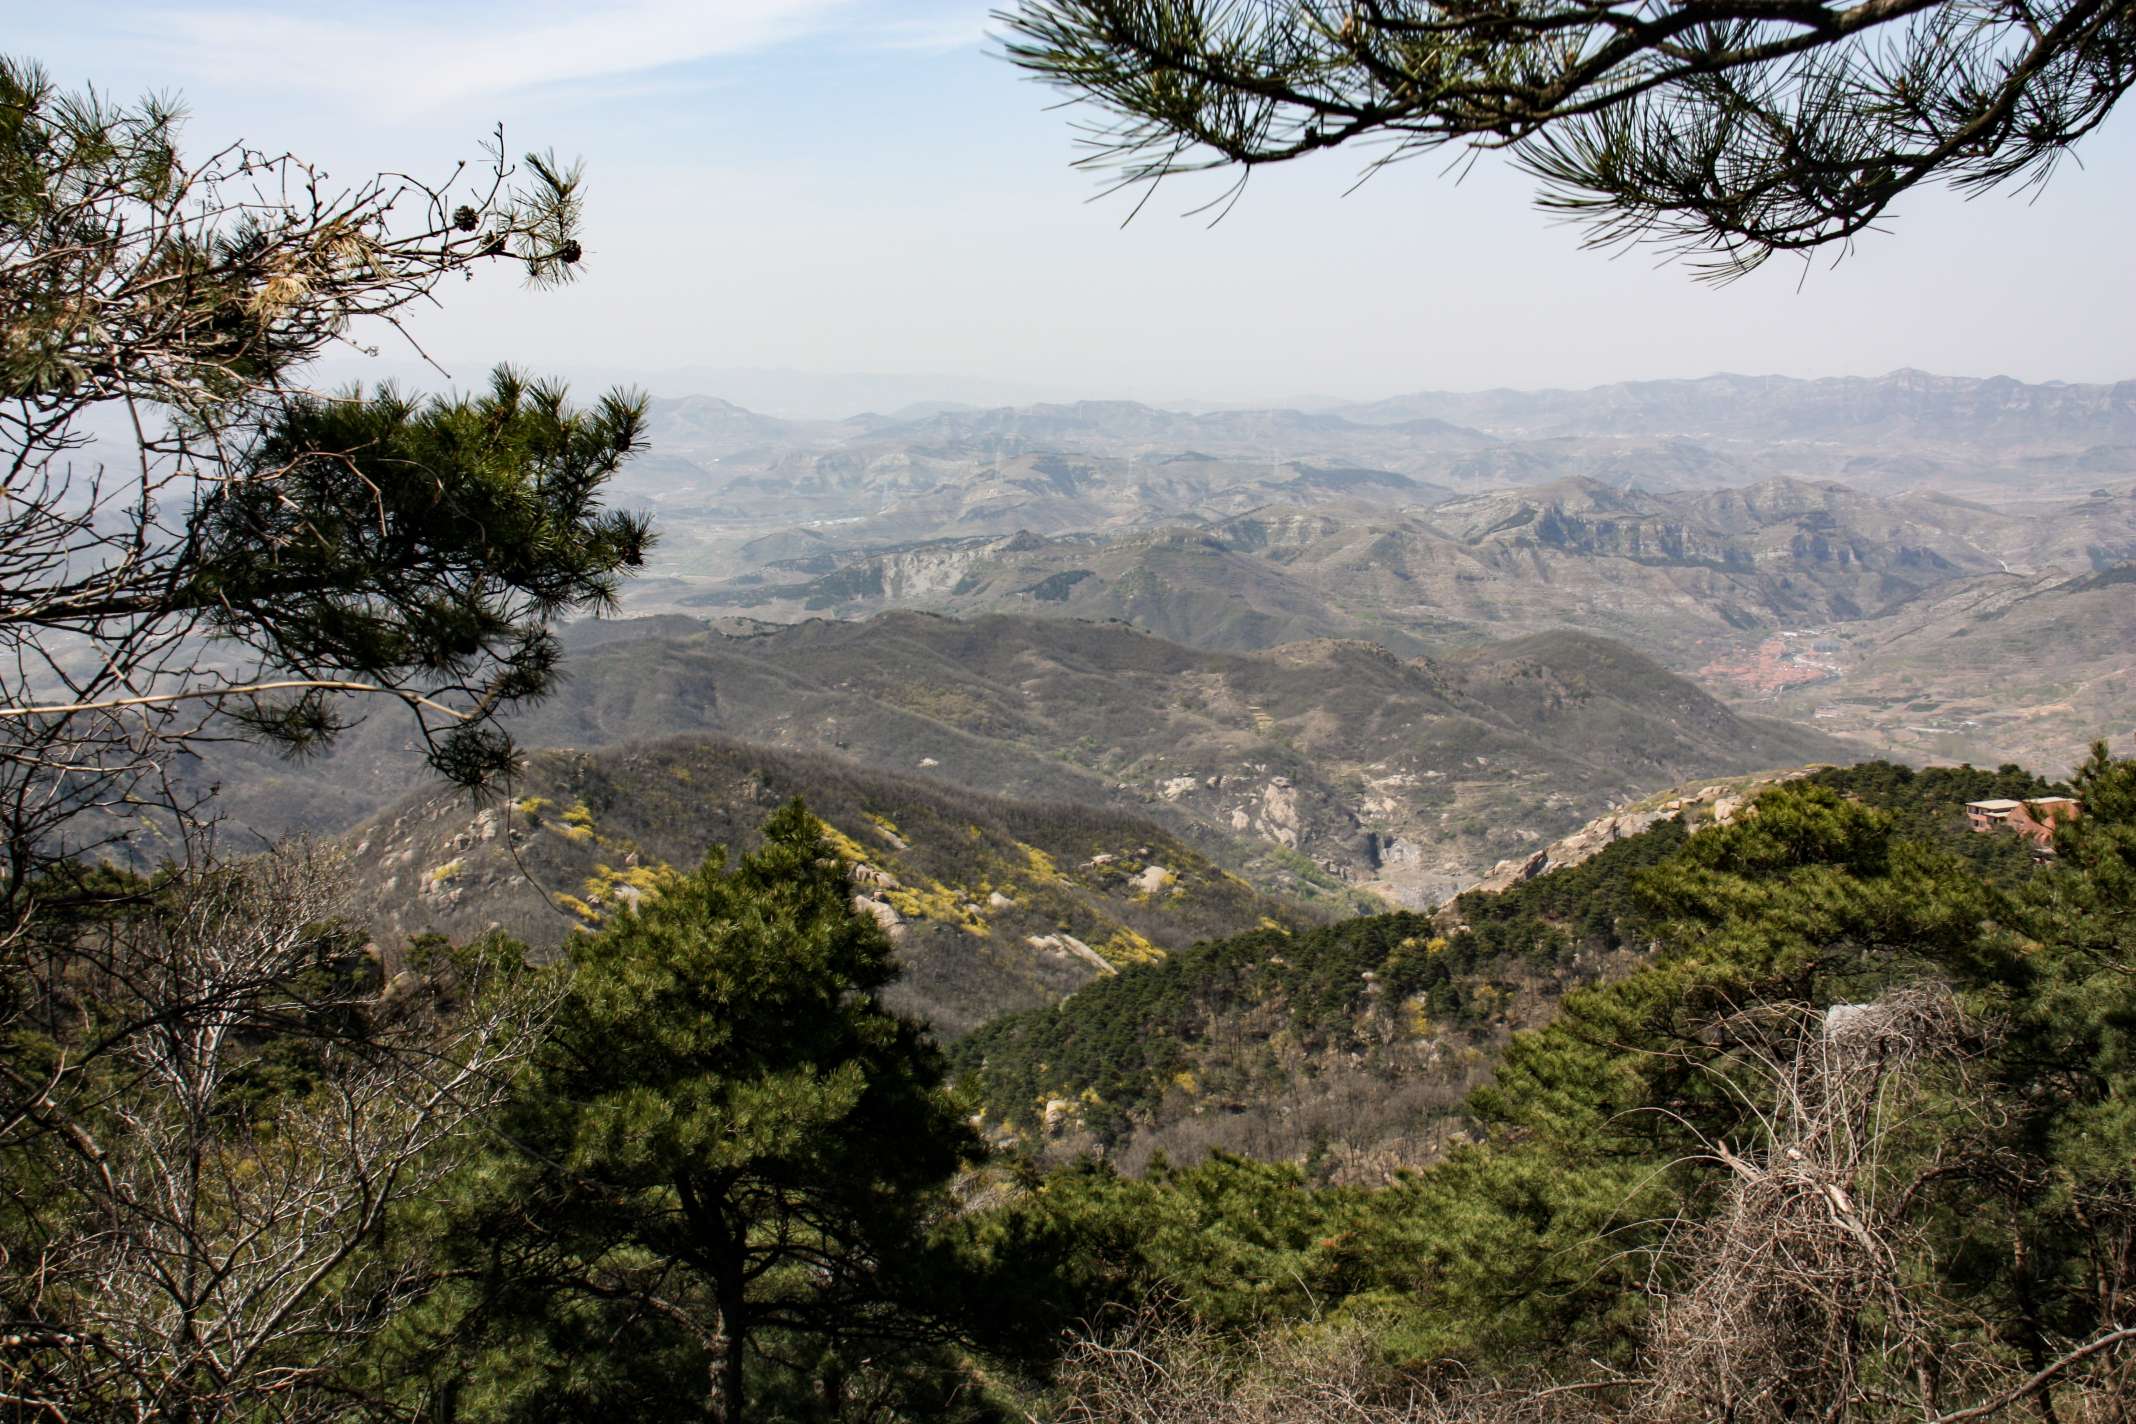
(1992, 669)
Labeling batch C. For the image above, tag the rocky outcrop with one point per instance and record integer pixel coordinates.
(1708, 805)
(1154, 880)
(884, 914)
(1068, 945)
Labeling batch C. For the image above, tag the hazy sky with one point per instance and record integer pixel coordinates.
(862, 186)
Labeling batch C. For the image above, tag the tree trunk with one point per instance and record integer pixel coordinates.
(2033, 1335)
(722, 1238)
(730, 1288)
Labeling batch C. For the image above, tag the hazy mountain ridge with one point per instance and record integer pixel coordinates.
(1907, 404)
(1904, 427)
(1692, 519)
(1682, 575)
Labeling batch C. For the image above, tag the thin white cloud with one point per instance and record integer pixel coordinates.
(958, 30)
(415, 61)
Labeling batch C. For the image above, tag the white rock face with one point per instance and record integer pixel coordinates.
(864, 874)
(1598, 834)
(1177, 787)
(883, 913)
(1279, 813)
(1153, 880)
(1398, 854)
(1575, 848)
(440, 884)
(999, 901)
(1067, 946)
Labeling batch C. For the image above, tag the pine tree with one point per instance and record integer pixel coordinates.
(1727, 130)
(728, 1164)
(253, 548)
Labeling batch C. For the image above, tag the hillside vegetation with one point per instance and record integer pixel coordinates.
(991, 904)
(1321, 771)
(1350, 1047)
(1781, 1153)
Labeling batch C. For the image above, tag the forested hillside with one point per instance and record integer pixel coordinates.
(1829, 1042)
(1352, 1046)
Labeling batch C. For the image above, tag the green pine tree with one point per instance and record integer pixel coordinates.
(722, 1182)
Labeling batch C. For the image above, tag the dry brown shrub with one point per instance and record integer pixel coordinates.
(1808, 1294)
(1162, 1369)
(1811, 1292)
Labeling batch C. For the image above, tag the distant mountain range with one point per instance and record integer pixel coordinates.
(1697, 521)
(734, 489)
(1682, 575)
(1905, 405)
(1881, 432)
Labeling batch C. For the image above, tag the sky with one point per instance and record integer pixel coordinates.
(784, 192)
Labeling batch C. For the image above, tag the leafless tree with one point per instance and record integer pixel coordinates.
(1810, 1292)
(230, 1108)
(1159, 1367)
